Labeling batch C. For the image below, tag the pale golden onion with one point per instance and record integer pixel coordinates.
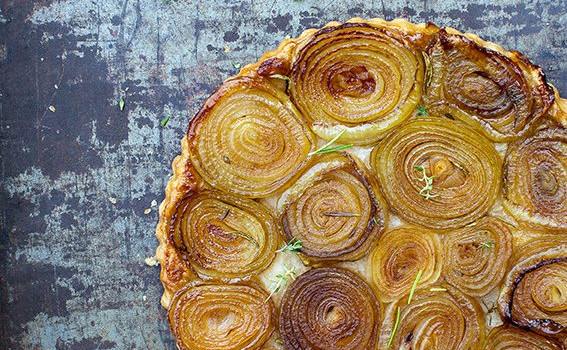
(464, 166)
(214, 316)
(400, 254)
(504, 95)
(334, 210)
(358, 78)
(225, 236)
(475, 257)
(535, 179)
(441, 319)
(508, 337)
(534, 295)
(248, 138)
(329, 309)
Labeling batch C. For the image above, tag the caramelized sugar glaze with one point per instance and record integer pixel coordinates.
(371, 185)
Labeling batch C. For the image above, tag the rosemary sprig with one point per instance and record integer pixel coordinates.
(340, 214)
(422, 111)
(426, 190)
(243, 235)
(395, 327)
(488, 245)
(281, 280)
(414, 285)
(326, 147)
(294, 246)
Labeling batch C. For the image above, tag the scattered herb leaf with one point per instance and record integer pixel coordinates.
(340, 214)
(414, 285)
(428, 186)
(395, 327)
(488, 245)
(164, 121)
(422, 111)
(294, 246)
(236, 65)
(225, 214)
(326, 147)
(280, 76)
(121, 103)
(437, 289)
(243, 235)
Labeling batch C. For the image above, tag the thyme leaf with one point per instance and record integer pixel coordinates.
(164, 121)
(121, 103)
(281, 280)
(294, 246)
(488, 245)
(422, 111)
(437, 289)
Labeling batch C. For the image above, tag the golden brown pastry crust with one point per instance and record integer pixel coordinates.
(175, 269)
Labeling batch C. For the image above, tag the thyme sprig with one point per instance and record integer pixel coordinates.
(281, 280)
(414, 285)
(428, 186)
(326, 148)
(294, 246)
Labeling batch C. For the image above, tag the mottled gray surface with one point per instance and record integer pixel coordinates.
(72, 272)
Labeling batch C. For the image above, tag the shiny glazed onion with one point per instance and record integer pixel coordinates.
(434, 320)
(512, 338)
(334, 210)
(248, 139)
(535, 178)
(464, 166)
(225, 236)
(534, 295)
(221, 317)
(329, 309)
(475, 257)
(358, 78)
(503, 95)
(399, 256)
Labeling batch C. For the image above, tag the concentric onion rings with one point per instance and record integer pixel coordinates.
(398, 257)
(358, 78)
(225, 236)
(249, 139)
(329, 309)
(221, 317)
(464, 167)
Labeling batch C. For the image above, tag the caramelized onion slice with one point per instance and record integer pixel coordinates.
(503, 95)
(534, 295)
(358, 78)
(329, 309)
(334, 210)
(248, 139)
(399, 256)
(221, 317)
(508, 337)
(475, 257)
(225, 236)
(535, 178)
(464, 167)
(441, 319)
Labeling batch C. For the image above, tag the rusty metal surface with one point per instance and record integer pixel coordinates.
(72, 272)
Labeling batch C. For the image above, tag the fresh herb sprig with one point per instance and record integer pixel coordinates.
(294, 246)
(488, 245)
(428, 183)
(422, 111)
(340, 214)
(281, 280)
(244, 235)
(412, 291)
(326, 148)
(395, 327)
(414, 285)
(164, 121)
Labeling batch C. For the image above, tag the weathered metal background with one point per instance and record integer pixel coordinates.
(72, 272)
